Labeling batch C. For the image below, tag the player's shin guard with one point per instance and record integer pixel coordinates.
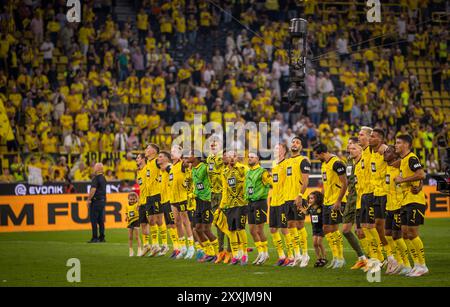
(154, 234)
(265, 247)
(339, 244)
(276, 238)
(377, 241)
(163, 234)
(258, 247)
(242, 234)
(295, 237)
(365, 246)
(418, 246)
(371, 242)
(288, 242)
(412, 251)
(403, 248)
(391, 247)
(303, 240)
(234, 243)
(215, 246)
(145, 239)
(330, 240)
(174, 237)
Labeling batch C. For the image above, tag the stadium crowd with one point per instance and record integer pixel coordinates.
(108, 86)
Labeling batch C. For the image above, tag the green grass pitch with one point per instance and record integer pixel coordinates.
(39, 259)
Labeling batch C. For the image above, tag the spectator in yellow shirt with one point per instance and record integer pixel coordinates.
(82, 173)
(142, 25)
(82, 120)
(127, 168)
(50, 143)
(332, 108)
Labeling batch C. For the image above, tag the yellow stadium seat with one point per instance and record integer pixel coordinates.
(420, 63)
(424, 86)
(446, 103)
(63, 60)
(357, 57)
(445, 94)
(435, 94)
(426, 95)
(428, 64)
(323, 63)
(421, 72)
(437, 102)
(427, 103)
(412, 64)
(334, 71)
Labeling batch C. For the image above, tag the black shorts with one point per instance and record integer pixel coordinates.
(293, 214)
(393, 220)
(413, 214)
(358, 218)
(181, 206)
(168, 214)
(367, 212)
(257, 212)
(331, 217)
(277, 216)
(134, 224)
(143, 214)
(379, 203)
(203, 213)
(154, 204)
(317, 229)
(236, 218)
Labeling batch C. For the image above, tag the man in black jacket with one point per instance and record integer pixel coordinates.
(97, 203)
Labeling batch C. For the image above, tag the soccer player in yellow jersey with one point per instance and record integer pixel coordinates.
(178, 201)
(141, 179)
(235, 206)
(132, 218)
(334, 189)
(413, 205)
(164, 162)
(297, 178)
(367, 212)
(278, 210)
(393, 211)
(155, 214)
(377, 179)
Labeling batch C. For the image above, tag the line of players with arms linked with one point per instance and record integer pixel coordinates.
(378, 192)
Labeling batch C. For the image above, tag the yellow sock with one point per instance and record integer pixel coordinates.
(199, 245)
(276, 238)
(154, 234)
(144, 240)
(330, 240)
(365, 246)
(234, 243)
(243, 240)
(397, 253)
(418, 246)
(390, 248)
(258, 246)
(207, 248)
(371, 247)
(215, 246)
(191, 241)
(339, 244)
(295, 237)
(182, 242)
(401, 244)
(265, 245)
(412, 251)
(288, 242)
(304, 240)
(163, 233)
(174, 237)
(377, 241)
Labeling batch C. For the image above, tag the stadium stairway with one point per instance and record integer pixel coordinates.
(126, 10)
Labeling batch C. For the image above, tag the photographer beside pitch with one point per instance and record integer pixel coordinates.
(97, 202)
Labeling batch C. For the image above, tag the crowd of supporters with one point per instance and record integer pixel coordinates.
(107, 86)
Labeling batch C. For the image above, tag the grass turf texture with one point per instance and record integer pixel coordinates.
(39, 259)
